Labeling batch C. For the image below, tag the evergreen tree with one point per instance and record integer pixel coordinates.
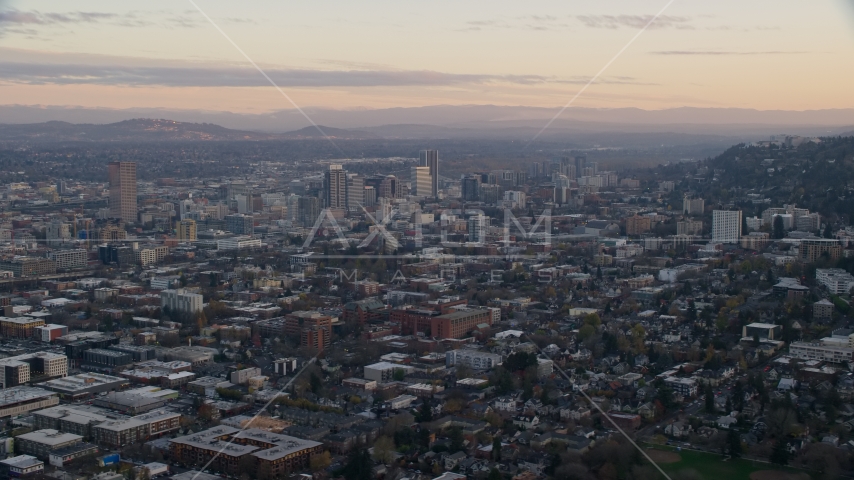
(734, 443)
(425, 413)
(496, 448)
(780, 455)
(828, 231)
(710, 399)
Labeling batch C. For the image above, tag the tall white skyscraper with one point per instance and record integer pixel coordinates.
(420, 182)
(430, 159)
(355, 192)
(726, 226)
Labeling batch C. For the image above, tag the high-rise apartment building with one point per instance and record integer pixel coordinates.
(638, 224)
(421, 184)
(476, 226)
(693, 206)
(430, 159)
(726, 226)
(187, 230)
(335, 187)
(181, 300)
(122, 177)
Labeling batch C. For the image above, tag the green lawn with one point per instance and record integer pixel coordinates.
(713, 467)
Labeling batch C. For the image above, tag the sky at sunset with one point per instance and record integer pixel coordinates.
(791, 55)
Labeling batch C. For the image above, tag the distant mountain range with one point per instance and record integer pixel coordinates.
(590, 126)
(145, 129)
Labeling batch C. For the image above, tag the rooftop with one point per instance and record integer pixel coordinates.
(22, 394)
(49, 436)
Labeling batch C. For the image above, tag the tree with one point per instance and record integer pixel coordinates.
(779, 230)
(494, 474)
(384, 450)
(358, 466)
(456, 437)
(828, 231)
(520, 361)
(425, 412)
(320, 462)
(710, 399)
(734, 443)
(586, 332)
(496, 448)
(315, 382)
(780, 455)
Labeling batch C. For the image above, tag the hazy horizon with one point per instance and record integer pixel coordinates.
(758, 55)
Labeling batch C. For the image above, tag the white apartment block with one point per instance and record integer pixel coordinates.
(150, 255)
(686, 387)
(472, 358)
(76, 258)
(181, 301)
(836, 280)
(818, 351)
(726, 226)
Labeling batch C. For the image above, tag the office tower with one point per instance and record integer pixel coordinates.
(335, 187)
(355, 192)
(309, 210)
(421, 183)
(470, 188)
(187, 230)
(580, 165)
(477, 228)
(243, 203)
(370, 196)
(726, 226)
(240, 224)
(122, 190)
(490, 193)
(430, 159)
(567, 167)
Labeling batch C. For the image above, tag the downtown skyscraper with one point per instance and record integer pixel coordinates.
(335, 186)
(430, 159)
(122, 177)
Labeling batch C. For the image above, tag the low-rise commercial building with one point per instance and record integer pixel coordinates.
(84, 385)
(21, 400)
(383, 372)
(22, 466)
(41, 443)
